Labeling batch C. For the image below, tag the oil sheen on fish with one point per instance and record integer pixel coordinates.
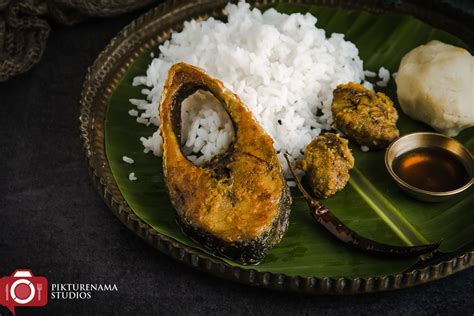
(238, 204)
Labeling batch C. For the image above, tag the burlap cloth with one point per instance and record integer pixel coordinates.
(24, 26)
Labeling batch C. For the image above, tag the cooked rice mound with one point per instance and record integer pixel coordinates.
(282, 66)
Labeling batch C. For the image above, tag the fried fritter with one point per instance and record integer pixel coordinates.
(365, 116)
(327, 161)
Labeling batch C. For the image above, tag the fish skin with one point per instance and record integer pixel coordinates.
(238, 204)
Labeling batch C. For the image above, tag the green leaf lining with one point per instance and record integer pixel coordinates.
(381, 212)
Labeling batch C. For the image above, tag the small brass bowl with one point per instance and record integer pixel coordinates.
(429, 140)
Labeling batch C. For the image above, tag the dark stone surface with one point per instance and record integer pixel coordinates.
(53, 221)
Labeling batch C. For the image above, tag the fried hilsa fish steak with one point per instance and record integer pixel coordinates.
(238, 204)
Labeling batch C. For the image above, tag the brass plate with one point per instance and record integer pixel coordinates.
(155, 27)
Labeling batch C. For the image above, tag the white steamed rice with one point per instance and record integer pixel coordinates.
(384, 75)
(128, 160)
(132, 176)
(282, 66)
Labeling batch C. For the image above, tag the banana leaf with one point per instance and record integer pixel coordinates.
(371, 203)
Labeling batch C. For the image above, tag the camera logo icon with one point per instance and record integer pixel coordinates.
(23, 289)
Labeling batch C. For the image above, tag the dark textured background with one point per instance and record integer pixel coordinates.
(53, 221)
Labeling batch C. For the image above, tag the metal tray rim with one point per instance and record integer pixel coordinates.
(98, 87)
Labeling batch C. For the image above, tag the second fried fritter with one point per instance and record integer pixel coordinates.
(327, 161)
(365, 116)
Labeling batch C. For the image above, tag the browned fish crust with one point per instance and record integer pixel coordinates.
(327, 161)
(365, 116)
(238, 204)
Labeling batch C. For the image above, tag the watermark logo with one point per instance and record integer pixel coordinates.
(79, 291)
(22, 288)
